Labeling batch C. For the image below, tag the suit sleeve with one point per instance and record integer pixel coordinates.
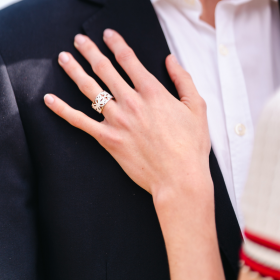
(17, 214)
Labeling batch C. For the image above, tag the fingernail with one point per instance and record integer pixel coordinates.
(48, 99)
(174, 59)
(79, 39)
(63, 57)
(108, 33)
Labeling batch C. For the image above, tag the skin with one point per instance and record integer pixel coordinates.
(175, 170)
(208, 11)
(247, 274)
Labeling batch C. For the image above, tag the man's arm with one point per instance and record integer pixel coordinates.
(17, 217)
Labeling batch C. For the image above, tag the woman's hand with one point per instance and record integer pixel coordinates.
(159, 141)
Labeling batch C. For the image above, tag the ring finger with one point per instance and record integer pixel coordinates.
(87, 85)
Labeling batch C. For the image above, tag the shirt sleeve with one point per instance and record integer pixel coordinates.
(17, 190)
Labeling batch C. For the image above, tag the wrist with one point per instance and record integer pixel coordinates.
(196, 187)
(182, 173)
(192, 196)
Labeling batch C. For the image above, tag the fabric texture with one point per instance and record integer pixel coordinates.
(17, 218)
(222, 63)
(71, 212)
(260, 201)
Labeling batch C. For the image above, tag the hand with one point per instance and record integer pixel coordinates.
(159, 142)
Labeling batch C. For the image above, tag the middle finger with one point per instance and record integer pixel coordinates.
(102, 66)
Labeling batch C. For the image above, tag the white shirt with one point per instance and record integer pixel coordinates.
(236, 69)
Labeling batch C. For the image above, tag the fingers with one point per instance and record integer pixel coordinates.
(87, 85)
(126, 57)
(184, 85)
(101, 65)
(74, 117)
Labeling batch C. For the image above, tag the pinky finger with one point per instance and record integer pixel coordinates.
(74, 117)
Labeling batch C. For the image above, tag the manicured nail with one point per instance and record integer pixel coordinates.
(63, 57)
(48, 99)
(174, 59)
(108, 33)
(79, 39)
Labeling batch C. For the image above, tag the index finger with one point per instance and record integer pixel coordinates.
(74, 117)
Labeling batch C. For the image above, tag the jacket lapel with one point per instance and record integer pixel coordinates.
(137, 22)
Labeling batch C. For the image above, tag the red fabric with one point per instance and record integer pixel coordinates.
(263, 270)
(262, 241)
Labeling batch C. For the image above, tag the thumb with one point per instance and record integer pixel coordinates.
(184, 85)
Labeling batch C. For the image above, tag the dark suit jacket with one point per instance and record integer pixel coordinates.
(67, 210)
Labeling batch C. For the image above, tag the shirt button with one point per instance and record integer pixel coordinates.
(223, 50)
(240, 129)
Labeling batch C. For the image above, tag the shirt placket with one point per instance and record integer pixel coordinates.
(237, 113)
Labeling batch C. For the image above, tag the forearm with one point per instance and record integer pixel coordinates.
(187, 220)
(156, 139)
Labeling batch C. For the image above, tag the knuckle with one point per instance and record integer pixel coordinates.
(125, 55)
(202, 104)
(87, 46)
(176, 78)
(131, 103)
(60, 111)
(149, 86)
(115, 83)
(177, 81)
(182, 79)
(85, 87)
(102, 65)
(121, 121)
(187, 76)
(102, 137)
(72, 69)
(113, 140)
(77, 120)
